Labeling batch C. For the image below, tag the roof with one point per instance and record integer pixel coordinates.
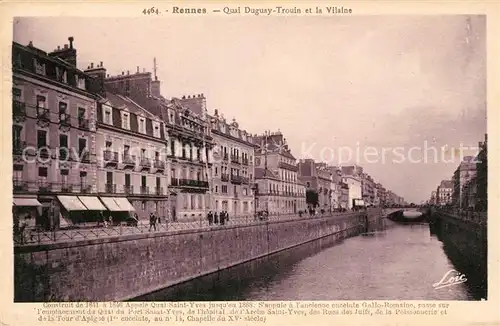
(119, 101)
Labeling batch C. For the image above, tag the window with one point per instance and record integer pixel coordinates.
(125, 120)
(82, 146)
(143, 181)
(127, 180)
(64, 176)
(17, 173)
(63, 147)
(80, 81)
(41, 138)
(126, 150)
(216, 173)
(81, 113)
(158, 183)
(40, 103)
(83, 178)
(16, 136)
(143, 205)
(107, 115)
(143, 153)
(172, 147)
(142, 125)
(200, 202)
(39, 67)
(185, 201)
(172, 173)
(17, 94)
(109, 178)
(216, 189)
(193, 201)
(42, 173)
(156, 129)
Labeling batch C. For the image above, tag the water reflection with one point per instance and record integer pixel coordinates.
(389, 261)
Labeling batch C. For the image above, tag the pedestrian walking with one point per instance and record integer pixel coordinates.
(152, 222)
(227, 216)
(222, 217)
(216, 218)
(210, 217)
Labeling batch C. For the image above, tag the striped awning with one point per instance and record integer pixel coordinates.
(92, 203)
(18, 201)
(124, 204)
(110, 203)
(72, 203)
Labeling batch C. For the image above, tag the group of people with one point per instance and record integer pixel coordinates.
(216, 218)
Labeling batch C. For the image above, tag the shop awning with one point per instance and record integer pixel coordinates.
(92, 203)
(110, 203)
(71, 203)
(124, 204)
(18, 201)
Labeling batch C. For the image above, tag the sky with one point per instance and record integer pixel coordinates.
(334, 86)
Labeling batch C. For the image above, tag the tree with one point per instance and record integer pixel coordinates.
(311, 198)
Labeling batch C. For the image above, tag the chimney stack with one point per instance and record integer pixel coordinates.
(65, 46)
(137, 69)
(101, 64)
(128, 72)
(70, 39)
(91, 65)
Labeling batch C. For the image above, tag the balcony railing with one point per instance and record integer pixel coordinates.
(145, 163)
(159, 191)
(110, 157)
(236, 179)
(144, 190)
(44, 186)
(174, 182)
(19, 185)
(225, 157)
(110, 188)
(245, 162)
(128, 189)
(159, 165)
(18, 108)
(128, 160)
(18, 147)
(193, 183)
(235, 159)
(224, 177)
(43, 114)
(64, 119)
(83, 123)
(288, 167)
(66, 187)
(85, 188)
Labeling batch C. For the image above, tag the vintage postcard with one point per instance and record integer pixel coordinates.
(263, 163)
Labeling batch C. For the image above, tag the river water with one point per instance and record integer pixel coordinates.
(391, 261)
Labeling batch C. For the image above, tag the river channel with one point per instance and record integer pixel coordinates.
(390, 262)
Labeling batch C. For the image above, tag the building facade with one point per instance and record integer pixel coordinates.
(482, 176)
(444, 193)
(189, 141)
(233, 168)
(53, 133)
(461, 177)
(274, 155)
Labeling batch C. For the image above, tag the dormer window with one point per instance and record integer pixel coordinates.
(156, 129)
(80, 82)
(142, 125)
(125, 120)
(107, 115)
(39, 67)
(61, 75)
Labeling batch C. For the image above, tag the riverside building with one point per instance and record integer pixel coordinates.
(53, 136)
(233, 169)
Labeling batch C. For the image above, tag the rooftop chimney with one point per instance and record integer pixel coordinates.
(101, 63)
(128, 72)
(91, 65)
(137, 69)
(65, 46)
(70, 39)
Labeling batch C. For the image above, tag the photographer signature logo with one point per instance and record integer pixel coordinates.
(452, 277)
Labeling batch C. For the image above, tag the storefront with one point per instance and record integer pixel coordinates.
(119, 209)
(26, 211)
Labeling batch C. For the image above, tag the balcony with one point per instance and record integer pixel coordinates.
(128, 189)
(245, 180)
(235, 159)
(66, 187)
(236, 179)
(193, 183)
(159, 191)
(174, 182)
(44, 186)
(43, 114)
(18, 109)
(128, 160)
(110, 188)
(65, 119)
(85, 188)
(19, 185)
(18, 147)
(289, 167)
(224, 177)
(144, 163)
(159, 165)
(110, 158)
(225, 157)
(144, 190)
(83, 123)
(245, 162)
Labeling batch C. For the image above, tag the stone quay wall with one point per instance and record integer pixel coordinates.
(125, 267)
